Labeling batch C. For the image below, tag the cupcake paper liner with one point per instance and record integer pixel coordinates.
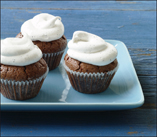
(53, 59)
(22, 90)
(90, 83)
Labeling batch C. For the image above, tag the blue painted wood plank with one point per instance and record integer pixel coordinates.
(144, 61)
(135, 122)
(81, 5)
(135, 28)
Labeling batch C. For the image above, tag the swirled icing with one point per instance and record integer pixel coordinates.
(19, 51)
(43, 27)
(91, 49)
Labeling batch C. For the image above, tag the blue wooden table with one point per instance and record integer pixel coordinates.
(134, 23)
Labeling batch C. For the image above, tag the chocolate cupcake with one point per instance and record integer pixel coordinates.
(90, 63)
(23, 69)
(47, 32)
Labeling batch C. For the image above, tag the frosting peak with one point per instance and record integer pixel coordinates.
(43, 27)
(86, 42)
(19, 51)
(92, 49)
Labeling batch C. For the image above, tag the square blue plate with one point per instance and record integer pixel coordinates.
(56, 94)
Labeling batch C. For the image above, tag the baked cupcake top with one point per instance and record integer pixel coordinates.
(21, 60)
(19, 51)
(91, 49)
(43, 27)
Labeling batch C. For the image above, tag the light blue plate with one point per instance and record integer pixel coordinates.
(124, 92)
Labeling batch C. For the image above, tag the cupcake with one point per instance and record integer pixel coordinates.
(90, 62)
(47, 32)
(23, 69)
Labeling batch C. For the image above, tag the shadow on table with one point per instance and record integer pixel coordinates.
(133, 116)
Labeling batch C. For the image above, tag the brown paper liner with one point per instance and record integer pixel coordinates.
(90, 83)
(22, 90)
(53, 59)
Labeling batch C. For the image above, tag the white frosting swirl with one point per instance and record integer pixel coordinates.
(19, 51)
(91, 49)
(43, 27)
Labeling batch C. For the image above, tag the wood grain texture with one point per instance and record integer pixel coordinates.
(81, 5)
(134, 23)
(134, 28)
(144, 60)
(134, 122)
